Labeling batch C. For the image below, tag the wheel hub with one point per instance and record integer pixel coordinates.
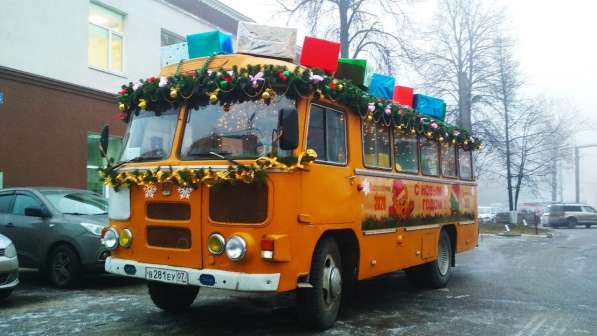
(335, 282)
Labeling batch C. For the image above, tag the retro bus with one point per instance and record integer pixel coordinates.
(229, 180)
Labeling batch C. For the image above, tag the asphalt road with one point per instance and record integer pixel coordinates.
(521, 286)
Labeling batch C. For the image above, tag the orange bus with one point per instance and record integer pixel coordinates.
(256, 174)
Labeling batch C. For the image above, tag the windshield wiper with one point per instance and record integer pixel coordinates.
(136, 159)
(219, 155)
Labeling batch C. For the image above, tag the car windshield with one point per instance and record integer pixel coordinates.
(243, 132)
(77, 203)
(149, 136)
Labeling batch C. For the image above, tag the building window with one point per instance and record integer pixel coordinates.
(405, 153)
(376, 145)
(169, 38)
(429, 157)
(327, 134)
(95, 161)
(106, 39)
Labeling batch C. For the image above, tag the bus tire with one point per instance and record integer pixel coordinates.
(170, 297)
(437, 273)
(319, 305)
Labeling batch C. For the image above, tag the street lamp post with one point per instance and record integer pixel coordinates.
(577, 169)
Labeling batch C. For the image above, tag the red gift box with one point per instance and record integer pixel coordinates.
(403, 95)
(318, 53)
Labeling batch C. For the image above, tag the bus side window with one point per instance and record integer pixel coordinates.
(376, 145)
(448, 160)
(327, 134)
(405, 153)
(465, 164)
(429, 156)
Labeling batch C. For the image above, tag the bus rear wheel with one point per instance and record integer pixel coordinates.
(437, 273)
(319, 305)
(170, 297)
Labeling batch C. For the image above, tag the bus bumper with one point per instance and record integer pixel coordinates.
(200, 277)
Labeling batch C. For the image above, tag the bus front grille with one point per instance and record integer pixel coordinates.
(171, 237)
(169, 211)
(239, 203)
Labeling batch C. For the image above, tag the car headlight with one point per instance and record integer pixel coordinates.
(216, 243)
(10, 251)
(96, 229)
(236, 248)
(119, 203)
(125, 238)
(110, 239)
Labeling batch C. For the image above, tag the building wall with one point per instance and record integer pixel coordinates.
(49, 38)
(43, 127)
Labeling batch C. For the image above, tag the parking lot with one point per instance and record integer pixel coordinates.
(508, 286)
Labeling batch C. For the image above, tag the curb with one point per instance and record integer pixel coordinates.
(547, 235)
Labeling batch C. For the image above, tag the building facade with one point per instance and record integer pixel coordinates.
(61, 64)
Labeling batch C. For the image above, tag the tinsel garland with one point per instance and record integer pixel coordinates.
(262, 82)
(193, 178)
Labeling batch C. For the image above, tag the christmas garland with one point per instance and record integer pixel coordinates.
(263, 82)
(190, 179)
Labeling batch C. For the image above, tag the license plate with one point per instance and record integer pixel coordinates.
(166, 275)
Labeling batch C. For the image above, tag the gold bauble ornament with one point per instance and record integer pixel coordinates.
(173, 93)
(122, 107)
(142, 104)
(266, 96)
(369, 117)
(413, 131)
(213, 98)
(339, 87)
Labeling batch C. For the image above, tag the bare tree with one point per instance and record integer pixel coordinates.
(455, 56)
(357, 24)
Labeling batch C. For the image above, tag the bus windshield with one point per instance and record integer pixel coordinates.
(149, 136)
(244, 132)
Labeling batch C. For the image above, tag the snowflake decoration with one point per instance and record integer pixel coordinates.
(184, 192)
(150, 190)
(366, 187)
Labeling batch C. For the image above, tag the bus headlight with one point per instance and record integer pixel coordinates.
(216, 243)
(236, 248)
(110, 239)
(125, 238)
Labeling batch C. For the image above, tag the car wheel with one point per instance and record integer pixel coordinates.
(4, 293)
(319, 305)
(435, 274)
(64, 267)
(571, 223)
(171, 297)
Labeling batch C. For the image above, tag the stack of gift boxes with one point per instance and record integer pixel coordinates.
(280, 43)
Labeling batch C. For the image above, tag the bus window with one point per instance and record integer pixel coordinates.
(448, 160)
(405, 153)
(327, 134)
(464, 162)
(376, 145)
(429, 157)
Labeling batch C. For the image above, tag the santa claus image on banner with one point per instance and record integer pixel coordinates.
(401, 205)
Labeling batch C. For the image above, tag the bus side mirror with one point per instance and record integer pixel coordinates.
(103, 143)
(288, 124)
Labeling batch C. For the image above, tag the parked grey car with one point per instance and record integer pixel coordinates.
(9, 267)
(56, 230)
(570, 215)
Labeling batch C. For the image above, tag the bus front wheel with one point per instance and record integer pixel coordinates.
(320, 304)
(435, 274)
(172, 298)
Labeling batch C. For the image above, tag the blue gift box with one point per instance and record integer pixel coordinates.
(209, 43)
(174, 53)
(430, 106)
(382, 86)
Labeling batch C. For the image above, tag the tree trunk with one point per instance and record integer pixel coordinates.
(344, 45)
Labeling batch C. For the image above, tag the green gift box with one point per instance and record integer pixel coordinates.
(352, 69)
